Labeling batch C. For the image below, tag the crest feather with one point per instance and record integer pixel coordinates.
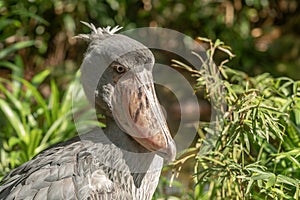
(98, 33)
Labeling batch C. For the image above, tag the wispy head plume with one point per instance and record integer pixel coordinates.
(98, 33)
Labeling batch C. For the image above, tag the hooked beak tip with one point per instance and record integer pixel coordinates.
(168, 153)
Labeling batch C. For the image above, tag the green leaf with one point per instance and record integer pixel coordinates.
(40, 77)
(38, 97)
(31, 15)
(287, 180)
(262, 176)
(14, 120)
(281, 193)
(10, 97)
(249, 186)
(55, 126)
(6, 22)
(218, 43)
(15, 47)
(35, 138)
(54, 103)
(297, 115)
(246, 141)
(12, 141)
(271, 181)
(67, 99)
(17, 70)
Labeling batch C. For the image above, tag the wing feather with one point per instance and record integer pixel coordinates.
(77, 170)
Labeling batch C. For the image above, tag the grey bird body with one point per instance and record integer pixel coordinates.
(81, 169)
(119, 162)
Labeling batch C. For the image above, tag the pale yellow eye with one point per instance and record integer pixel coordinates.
(120, 69)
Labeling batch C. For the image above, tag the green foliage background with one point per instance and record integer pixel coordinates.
(258, 148)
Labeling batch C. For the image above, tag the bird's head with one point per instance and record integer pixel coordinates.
(116, 74)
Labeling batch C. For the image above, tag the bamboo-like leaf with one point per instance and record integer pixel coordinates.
(224, 73)
(287, 180)
(286, 105)
(234, 135)
(246, 108)
(294, 160)
(297, 116)
(204, 39)
(262, 176)
(297, 193)
(213, 160)
(281, 193)
(246, 141)
(271, 181)
(296, 85)
(227, 50)
(294, 152)
(218, 43)
(177, 63)
(230, 90)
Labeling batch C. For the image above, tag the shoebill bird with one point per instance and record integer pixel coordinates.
(124, 160)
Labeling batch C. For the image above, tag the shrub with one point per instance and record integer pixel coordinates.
(252, 150)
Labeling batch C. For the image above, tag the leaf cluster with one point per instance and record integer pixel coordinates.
(251, 147)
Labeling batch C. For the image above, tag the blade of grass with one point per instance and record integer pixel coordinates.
(38, 97)
(13, 118)
(54, 102)
(15, 47)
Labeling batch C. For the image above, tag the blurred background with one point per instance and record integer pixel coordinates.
(37, 45)
(264, 34)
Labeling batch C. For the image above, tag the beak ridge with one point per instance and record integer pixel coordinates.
(138, 112)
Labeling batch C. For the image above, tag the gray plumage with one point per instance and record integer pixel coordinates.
(116, 164)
